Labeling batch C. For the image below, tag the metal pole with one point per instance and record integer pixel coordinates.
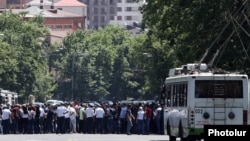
(72, 77)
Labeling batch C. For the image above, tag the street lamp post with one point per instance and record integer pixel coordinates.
(72, 77)
(73, 72)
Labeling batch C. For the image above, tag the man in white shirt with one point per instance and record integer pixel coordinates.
(72, 116)
(90, 113)
(60, 111)
(67, 119)
(140, 120)
(6, 113)
(99, 112)
(41, 117)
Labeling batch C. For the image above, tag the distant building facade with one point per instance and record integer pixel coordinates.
(100, 13)
(59, 22)
(128, 12)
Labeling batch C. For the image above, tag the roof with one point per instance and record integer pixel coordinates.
(38, 2)
(51, 13)
(69, 3)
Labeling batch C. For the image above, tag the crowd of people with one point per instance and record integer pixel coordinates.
(86, 118)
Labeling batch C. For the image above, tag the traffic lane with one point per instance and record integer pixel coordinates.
(82, 137)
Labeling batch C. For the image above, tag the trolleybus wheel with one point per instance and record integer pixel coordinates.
(172, 138)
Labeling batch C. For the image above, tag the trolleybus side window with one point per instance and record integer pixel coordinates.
(168, 97)
(176, 95)
(218, 89)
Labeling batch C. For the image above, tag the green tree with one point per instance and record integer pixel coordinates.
(25, 72)
(190, 27)
(103, 65)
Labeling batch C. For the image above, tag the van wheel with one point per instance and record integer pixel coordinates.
(172, 138)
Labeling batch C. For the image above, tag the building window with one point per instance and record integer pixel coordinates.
(128, 8)
(129, 18)
(14, 2)
(96, 27)
(111, 2)
(104, 11)
(88, 10)
(119, 1)
(95, 18)
(103, 18)
(112, 10)
(129, 1)
(96, 2)
(67, 26)
(119, 9)
(95, 10)
(119, 18)
(58, 27)
(104, 2)
(112, 18)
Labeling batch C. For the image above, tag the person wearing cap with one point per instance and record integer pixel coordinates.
(6, 114)
(140, 120)
(99, 112)
(90, 114)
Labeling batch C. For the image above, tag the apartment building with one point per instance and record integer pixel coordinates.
(128, 13)
(42, 4)
(61, 17)
(13, 4)
(3, 4)
(100, 13)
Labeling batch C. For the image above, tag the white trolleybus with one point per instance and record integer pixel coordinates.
(195, 96)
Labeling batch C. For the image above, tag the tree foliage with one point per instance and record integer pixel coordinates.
(99, 65)
(191, 27)
(23, 68)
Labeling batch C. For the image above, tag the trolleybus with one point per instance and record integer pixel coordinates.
(195, 95)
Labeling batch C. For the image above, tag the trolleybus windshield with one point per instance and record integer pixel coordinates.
(218, 89)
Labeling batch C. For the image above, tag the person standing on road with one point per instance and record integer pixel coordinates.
(90, 114)
(140, 120)
(157, 114)
(72, 116)
(6, 114)
(148, 116)
(60, 118)
(129, 118)
(82, 119)
(99, 112)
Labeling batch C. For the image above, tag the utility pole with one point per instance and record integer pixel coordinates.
(72, 77)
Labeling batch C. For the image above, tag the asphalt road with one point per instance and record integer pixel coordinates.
(82, 137)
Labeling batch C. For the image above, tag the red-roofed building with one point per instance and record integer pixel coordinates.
(58, 21)
(72, 6)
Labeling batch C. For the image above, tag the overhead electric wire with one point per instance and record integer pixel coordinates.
(242, 44)
(224, 28)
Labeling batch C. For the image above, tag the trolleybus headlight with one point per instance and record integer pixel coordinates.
(231, 115)
(206, 115)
